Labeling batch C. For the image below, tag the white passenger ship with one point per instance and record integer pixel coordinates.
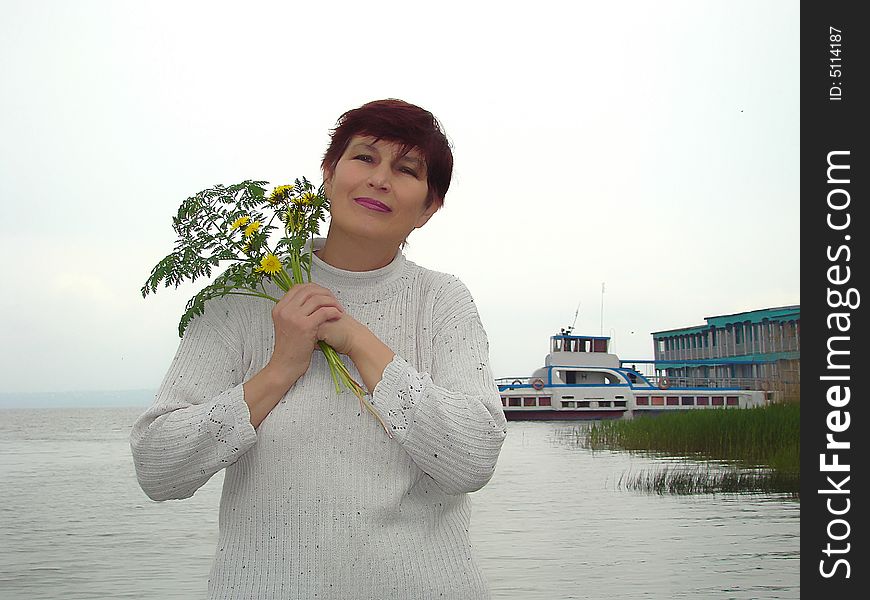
(581, 379)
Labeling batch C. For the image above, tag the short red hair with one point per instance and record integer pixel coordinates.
(403, 123)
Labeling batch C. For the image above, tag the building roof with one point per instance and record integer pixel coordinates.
(781, 313)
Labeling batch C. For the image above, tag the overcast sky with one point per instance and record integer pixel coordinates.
(649, 146)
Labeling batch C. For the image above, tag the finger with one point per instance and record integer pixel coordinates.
(325, 314)
(314, 303)
(299, 294)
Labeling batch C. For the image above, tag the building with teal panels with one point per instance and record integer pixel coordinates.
(758, 349)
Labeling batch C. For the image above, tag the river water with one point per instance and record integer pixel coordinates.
(553, 523)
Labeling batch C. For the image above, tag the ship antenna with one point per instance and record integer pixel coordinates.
(602, 308)
(568, 330)
(576, 312)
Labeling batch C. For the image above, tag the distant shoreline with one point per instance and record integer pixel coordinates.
(78, 399)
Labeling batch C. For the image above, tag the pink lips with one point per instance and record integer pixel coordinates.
(373, 204)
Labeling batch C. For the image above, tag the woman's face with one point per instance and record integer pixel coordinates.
(374, 193)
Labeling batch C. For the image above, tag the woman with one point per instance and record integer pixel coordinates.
(318, 502)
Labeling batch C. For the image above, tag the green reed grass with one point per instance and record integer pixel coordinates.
(761, 445)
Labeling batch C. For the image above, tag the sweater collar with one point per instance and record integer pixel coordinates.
(355, 283)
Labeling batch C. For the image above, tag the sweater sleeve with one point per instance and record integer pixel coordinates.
(199, 422)
(450, 421)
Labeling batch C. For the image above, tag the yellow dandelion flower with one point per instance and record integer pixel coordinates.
(282, 192)
(270, 264)
(250, 229)
(240, 222)
(306, 199)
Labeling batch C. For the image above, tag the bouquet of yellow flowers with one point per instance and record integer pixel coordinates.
(233, 224)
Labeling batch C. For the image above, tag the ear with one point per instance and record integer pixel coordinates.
(327, 182)
(427, 214)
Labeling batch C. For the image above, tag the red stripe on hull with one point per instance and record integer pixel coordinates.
(562, 415)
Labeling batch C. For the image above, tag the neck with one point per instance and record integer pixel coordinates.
(355, 254)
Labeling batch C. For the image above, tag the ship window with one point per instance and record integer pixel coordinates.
(583, 404)
(570, 377)
(658, 400)
(642, 400)
(514, 401)
(528, 402)
(688, 401)
(703, 401)
(503, 401)
(569, 404)
(619, 403)
(718, 400)
(731, 400)
(544, 401)
(673, 401)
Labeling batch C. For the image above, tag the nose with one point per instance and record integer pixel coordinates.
(379, 177)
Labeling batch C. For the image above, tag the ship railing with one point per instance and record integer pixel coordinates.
(513, 381)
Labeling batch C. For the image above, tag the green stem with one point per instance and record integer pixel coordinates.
(310, 253)
(283, 280)
(297, 268)
(254, 293)
(339, 372)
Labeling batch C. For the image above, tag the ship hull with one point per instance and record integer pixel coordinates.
(562, 415)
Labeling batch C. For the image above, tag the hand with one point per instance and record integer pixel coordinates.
(297, 317)
(348, 336)
(341, 333)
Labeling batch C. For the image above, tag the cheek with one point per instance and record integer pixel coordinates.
(416, 192)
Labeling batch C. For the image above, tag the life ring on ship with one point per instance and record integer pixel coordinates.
(538, 383)
(664, 383)
(516, 382)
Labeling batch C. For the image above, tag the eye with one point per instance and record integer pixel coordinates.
(409, 171)
(363, 157)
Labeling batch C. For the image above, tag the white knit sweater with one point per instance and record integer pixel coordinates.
(318, 502)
